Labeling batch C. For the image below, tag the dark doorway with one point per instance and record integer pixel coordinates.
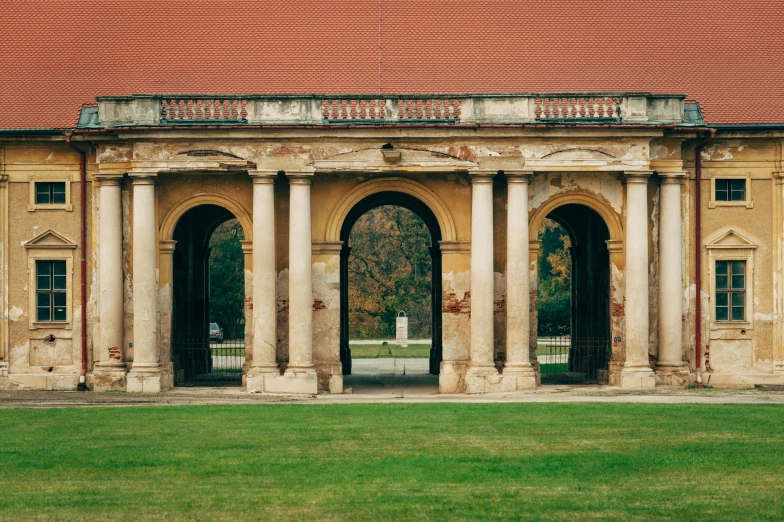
(574, 347)
(394, 199)
(208, 332)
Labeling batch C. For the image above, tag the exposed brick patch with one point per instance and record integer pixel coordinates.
(114, 353)
(452, 305)
(318, 304)
(500, 306)
(618, 309)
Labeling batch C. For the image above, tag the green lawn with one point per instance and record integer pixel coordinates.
(402, 461)
(367, 351)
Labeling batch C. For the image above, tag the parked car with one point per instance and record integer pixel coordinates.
(216, 333)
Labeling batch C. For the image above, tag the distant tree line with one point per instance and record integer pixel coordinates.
(389, 270)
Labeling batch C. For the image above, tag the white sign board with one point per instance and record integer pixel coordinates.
(401, 329)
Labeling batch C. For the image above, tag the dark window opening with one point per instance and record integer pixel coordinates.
(730, 190)
(50, 193)
(50, 291)
(730, 290)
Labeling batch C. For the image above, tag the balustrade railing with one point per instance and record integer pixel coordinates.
(203, 110)
(336, 110)
(504, 109)
(565, 107)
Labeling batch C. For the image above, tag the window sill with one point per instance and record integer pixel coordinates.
(35, 208)
(50, 326)
(715, 204)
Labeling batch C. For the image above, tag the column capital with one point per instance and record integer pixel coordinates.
(263, 176)
(108, 179)
(667, 178)
(637, 176)
(482, 175)
(247, 246)
(778, 176)
(518, 176)
(146, 177)
(299, 177)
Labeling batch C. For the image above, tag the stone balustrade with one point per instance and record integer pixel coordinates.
(502, 109)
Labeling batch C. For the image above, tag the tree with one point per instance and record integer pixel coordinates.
(389, 270)
(227, 279)
(555, 266)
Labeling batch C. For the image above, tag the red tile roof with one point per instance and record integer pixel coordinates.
(58, 54)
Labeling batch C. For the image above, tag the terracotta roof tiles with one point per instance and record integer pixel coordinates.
(57, 54)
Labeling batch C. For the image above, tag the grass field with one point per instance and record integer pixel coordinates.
(404, 461)
(368, 351)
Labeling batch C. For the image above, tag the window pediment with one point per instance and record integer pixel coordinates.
(50, 240)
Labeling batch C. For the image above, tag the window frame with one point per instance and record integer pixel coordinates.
(731, 246)
(35, 179)
(730, 290)
(51, 291)
(50, 246)
(747, 203)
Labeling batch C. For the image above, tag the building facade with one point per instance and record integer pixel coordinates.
(676, 226)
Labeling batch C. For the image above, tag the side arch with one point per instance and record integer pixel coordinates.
(604, 210)
(406, 186)
(206, 198)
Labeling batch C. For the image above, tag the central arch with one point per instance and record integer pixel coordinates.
(358, 207)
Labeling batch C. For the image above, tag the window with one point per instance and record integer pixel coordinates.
(730, 190)
(730, 290)
(50, 291)
(50, 193)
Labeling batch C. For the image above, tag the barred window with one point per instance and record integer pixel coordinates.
(50, 291)
(49, 192)
(730, 190)
(730, 290)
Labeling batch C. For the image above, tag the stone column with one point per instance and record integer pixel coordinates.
(110, 369)
(265, 335)
(636, 371)
(518, 372)
(145, 374)
(300, 368)
(670, 368)
(482, 375)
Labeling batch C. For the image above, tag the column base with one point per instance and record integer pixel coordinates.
(637, 377)
(778, 367)
(519, 378)
(672, 374)
(295, 381)
(109, 377)
(452, 377)
(256, 377)
(148, 379)
(483, 379)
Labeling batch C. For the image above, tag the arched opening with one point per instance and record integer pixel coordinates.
(574, 342)
(208, 295)
(415, 211)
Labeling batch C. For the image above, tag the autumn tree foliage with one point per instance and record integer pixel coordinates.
(389, 270)
(555, 266)
(227, 279)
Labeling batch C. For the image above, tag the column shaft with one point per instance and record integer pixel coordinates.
(264, 274)
(145, 286)
(637, 372)
(518, 372)
(300, 278)
(110, 276)
(482, 272)
(670, 281)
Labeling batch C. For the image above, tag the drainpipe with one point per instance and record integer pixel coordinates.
(698, 240)
(83, 250)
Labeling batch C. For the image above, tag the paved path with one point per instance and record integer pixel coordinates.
(409, 394)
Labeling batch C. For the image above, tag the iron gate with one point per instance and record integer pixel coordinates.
(563, 360)
(200, 362)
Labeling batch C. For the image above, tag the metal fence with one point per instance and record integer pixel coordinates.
(205, 362)
(563, 360)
